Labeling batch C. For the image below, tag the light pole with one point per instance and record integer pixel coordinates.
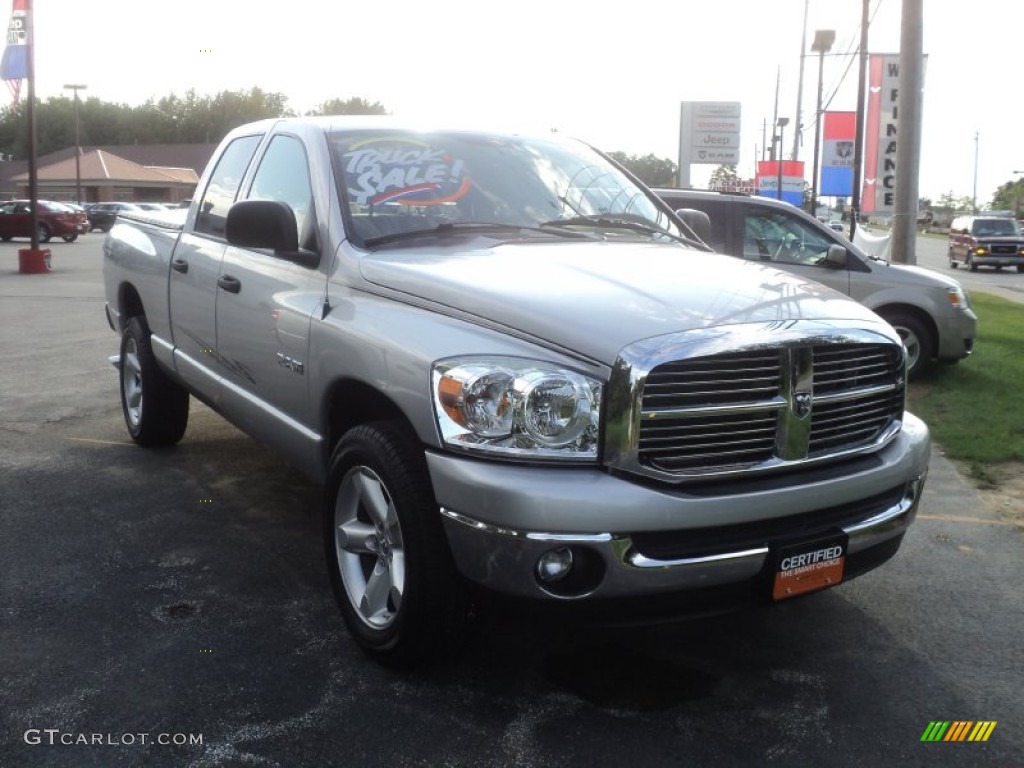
(823, 39)
(782, 123)
(974, 196)
(1016, 198)
(76, 87)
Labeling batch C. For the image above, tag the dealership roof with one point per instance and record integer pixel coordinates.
(99, 166)
(128, 165)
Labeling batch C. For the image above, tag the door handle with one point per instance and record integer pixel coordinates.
(179, 265)
(229, 283)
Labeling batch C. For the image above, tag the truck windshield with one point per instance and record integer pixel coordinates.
(402, 182)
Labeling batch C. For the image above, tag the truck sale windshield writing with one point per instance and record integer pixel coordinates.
(403, 172)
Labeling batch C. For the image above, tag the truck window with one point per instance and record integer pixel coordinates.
(224, 182)
(283, 174)
(777, 236)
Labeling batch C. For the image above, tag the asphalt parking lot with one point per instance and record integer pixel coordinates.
(172, 608)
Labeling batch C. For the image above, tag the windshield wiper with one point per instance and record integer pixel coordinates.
(470, 228)
(612, 221)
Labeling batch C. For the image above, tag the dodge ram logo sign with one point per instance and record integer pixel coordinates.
(801, 404)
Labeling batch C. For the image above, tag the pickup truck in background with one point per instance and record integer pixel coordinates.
(931, 312)
(516, 373)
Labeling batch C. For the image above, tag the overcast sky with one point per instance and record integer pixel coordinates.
(614, 75)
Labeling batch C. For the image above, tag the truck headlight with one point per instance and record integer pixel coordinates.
(517, 408)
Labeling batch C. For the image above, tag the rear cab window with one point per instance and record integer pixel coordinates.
(220, 192)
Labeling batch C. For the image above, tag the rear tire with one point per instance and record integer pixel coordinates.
(155, 408)
(70, 238)
(390, 566)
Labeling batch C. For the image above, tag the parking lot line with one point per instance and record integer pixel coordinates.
(99, 442)
(962, 519)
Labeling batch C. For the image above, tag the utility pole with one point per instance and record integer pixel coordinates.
(908, 136)
(798, 127)
(858, 144)
(782, 122)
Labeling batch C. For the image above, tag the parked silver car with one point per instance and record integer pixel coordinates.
(931, 312)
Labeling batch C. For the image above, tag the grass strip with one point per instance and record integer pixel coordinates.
(975, 409)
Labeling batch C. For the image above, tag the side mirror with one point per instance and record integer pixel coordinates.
(696, 220)
(836, 256)
(268, 224)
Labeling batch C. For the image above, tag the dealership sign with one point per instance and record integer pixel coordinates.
(709, 134)
(879, 190)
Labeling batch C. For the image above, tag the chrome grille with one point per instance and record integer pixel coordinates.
(725, 378)
(679, 444)
(838, 426)
(845, 367)
(768, 407)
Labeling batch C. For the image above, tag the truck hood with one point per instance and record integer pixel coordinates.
(1000, 239)
(597, 297)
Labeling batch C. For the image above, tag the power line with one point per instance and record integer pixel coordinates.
(851, 53)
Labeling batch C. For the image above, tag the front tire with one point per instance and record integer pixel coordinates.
(389, 563)
(43, 233)
(917, 340)
(155, 408)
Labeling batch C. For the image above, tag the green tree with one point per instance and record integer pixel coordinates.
(1009, 197)
(172, 119)
(351, 106)
(722, 175)
(954, 203)
(652, 171)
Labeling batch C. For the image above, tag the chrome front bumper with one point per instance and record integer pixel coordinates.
(504, 557)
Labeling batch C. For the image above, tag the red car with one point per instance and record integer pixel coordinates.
(55, 220)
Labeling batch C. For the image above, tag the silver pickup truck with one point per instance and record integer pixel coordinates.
(515, 372)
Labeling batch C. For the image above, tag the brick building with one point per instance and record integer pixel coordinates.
(133, 172)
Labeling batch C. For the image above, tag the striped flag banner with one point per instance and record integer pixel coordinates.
(14, 64)
(767, 180)
(840, 132)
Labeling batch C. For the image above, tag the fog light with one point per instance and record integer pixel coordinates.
(554, 565)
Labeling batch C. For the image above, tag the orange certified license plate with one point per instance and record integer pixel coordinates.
(809, 566)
